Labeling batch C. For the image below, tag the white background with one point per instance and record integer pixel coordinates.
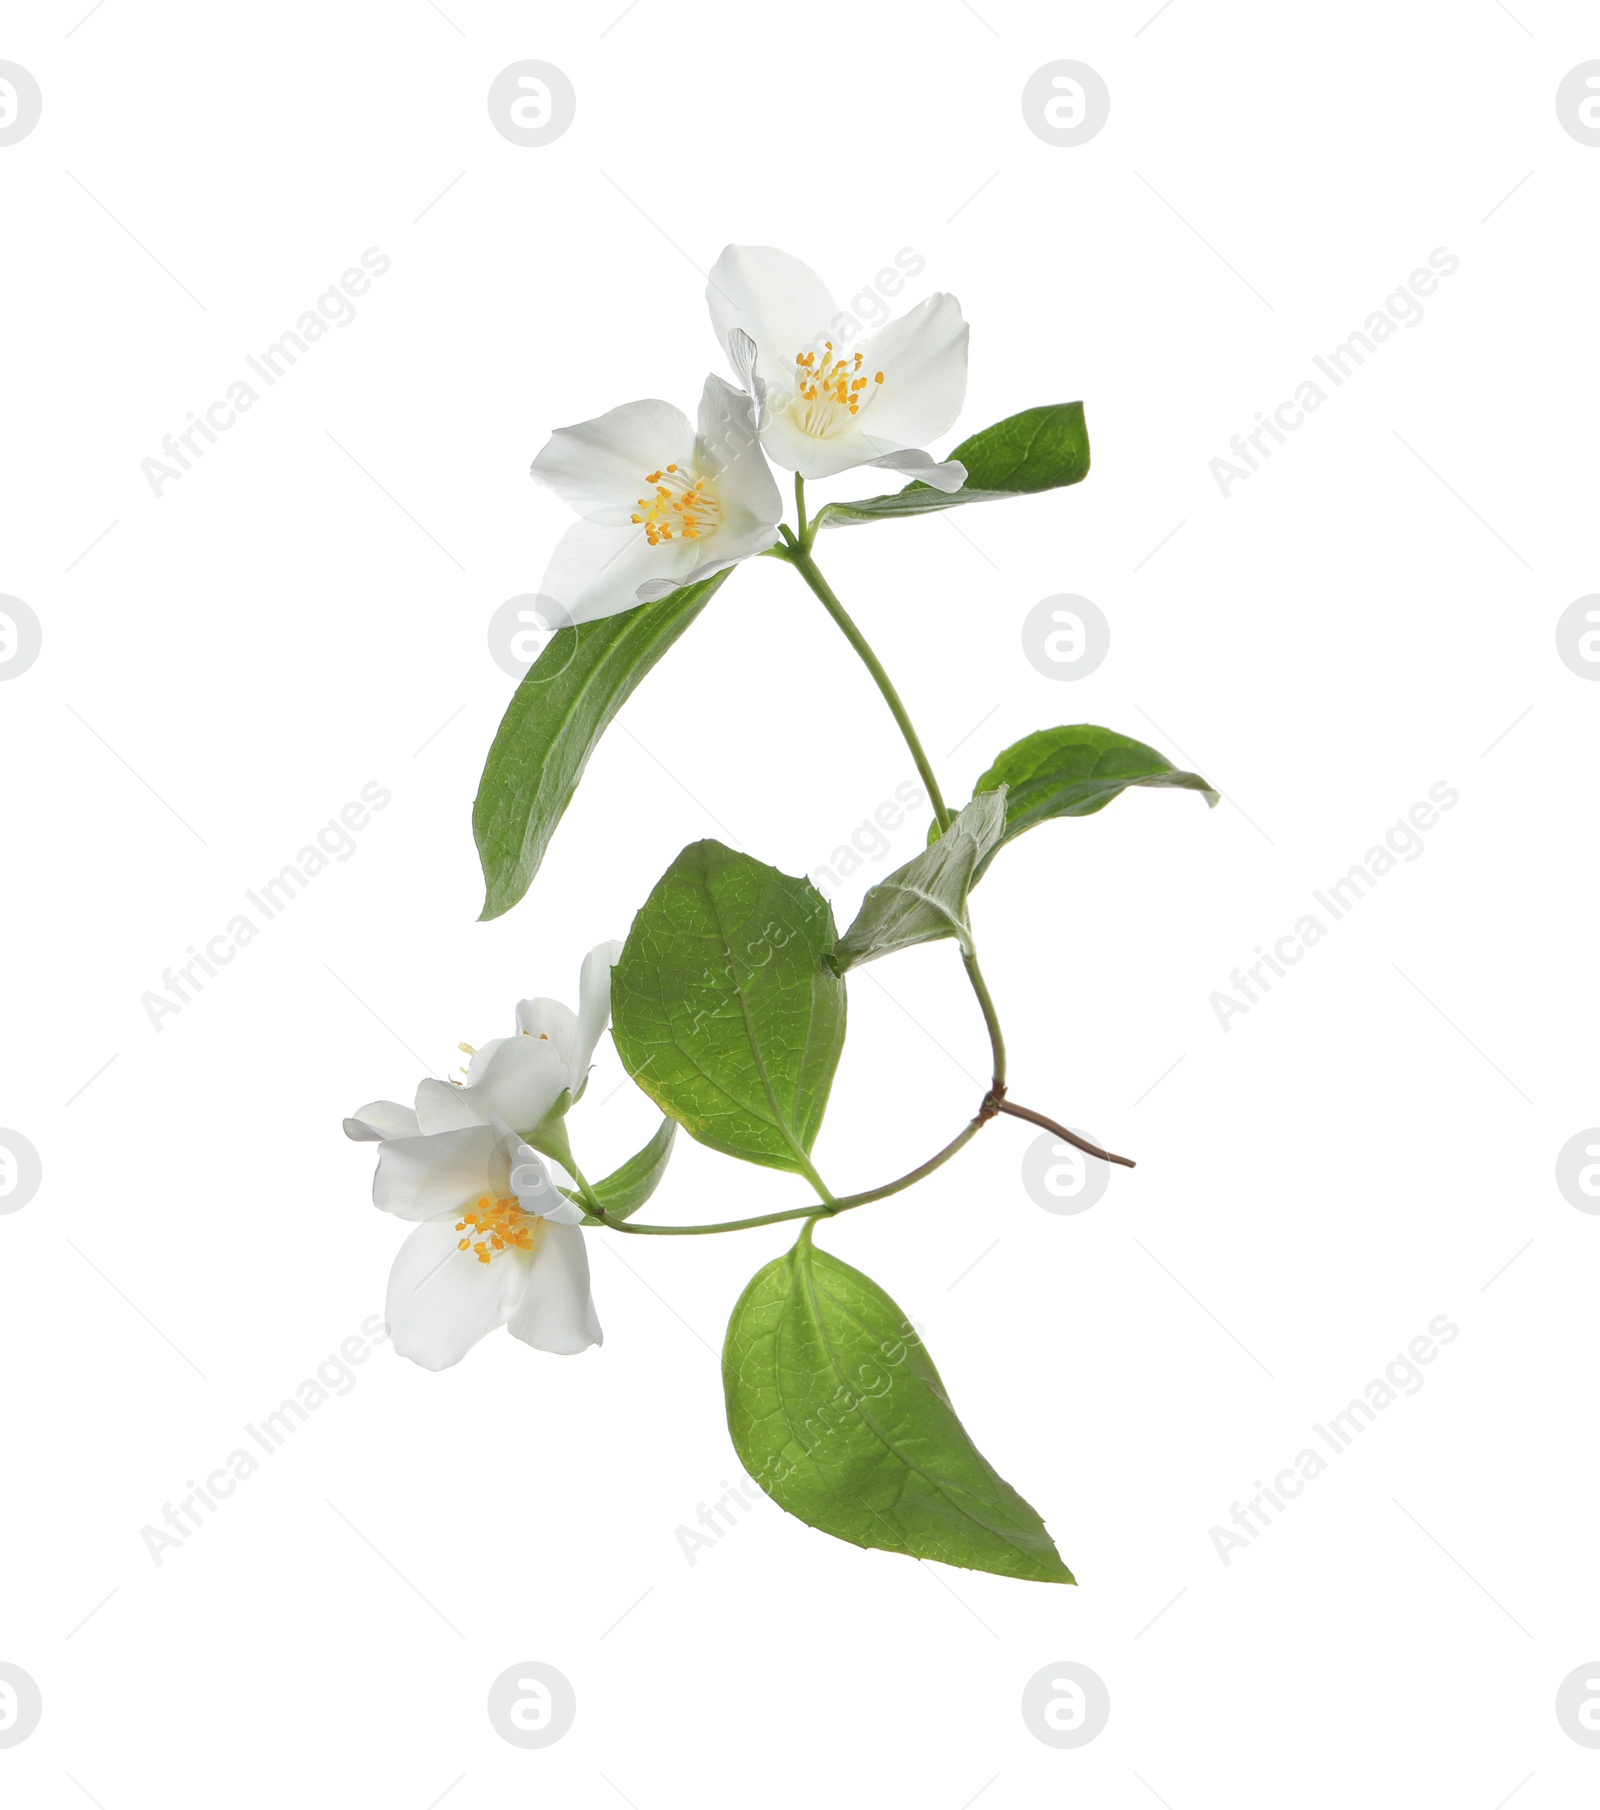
(305, 612)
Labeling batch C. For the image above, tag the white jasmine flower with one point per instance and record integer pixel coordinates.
(822, 408)
(507, 1251)
(499, 1244)
(663, 505)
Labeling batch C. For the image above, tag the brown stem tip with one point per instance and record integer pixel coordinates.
(992, 1105)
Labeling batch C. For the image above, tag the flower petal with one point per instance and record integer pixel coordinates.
(781, 303)
(742, 355)
(594, 999)
(735, 547)
(746, 488)
(534, 1184)
(557, 1025)
(923, 357)
(948, 476)
(598, 467)
(556, 1311)
(442, 1106)
(811, 455)
(443, 1300)
(657, 589)
(516, 1080)
(422, 1177)
(598, 571)
(725, 434)
(381, 1119)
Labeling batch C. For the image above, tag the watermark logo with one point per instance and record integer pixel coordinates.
(20, 1171)
(1578, 1699)
(1060, 1178)
(1065, 103)
(1578, 636)
(21, 637)
(1065, 1704)
(1577, 103)
(532, 1704)
(1065, 637)
(1577, 1170)
(20, 103)
(20, 1702)
(522, 628)
(531, 103)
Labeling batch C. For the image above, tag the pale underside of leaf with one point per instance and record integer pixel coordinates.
(927, 898)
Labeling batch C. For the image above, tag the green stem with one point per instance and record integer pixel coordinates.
(799, 553)
(992, 1106)
(830, 1201)
(796, 551)
(823, 1210)
(991, 1019)
(590, 1199)
(800, 558)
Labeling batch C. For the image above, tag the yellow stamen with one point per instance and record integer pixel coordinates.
(679, 509)
(501, 1224)
(828, 394)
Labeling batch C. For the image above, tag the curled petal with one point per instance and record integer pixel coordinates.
(947, 476)
(536, 1190)
(742, 356)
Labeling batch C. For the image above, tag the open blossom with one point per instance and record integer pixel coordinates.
(821, 407)
(663, 504)
(499, 1243)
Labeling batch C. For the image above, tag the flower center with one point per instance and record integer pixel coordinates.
(681, 508)
(828, 395)
(500, 1224)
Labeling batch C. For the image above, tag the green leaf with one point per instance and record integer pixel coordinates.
(557, 714)
(837, 1411)
(1074, 771)
(624, 1191)
(724, 1009)
(927, 898)
(1040, 449)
